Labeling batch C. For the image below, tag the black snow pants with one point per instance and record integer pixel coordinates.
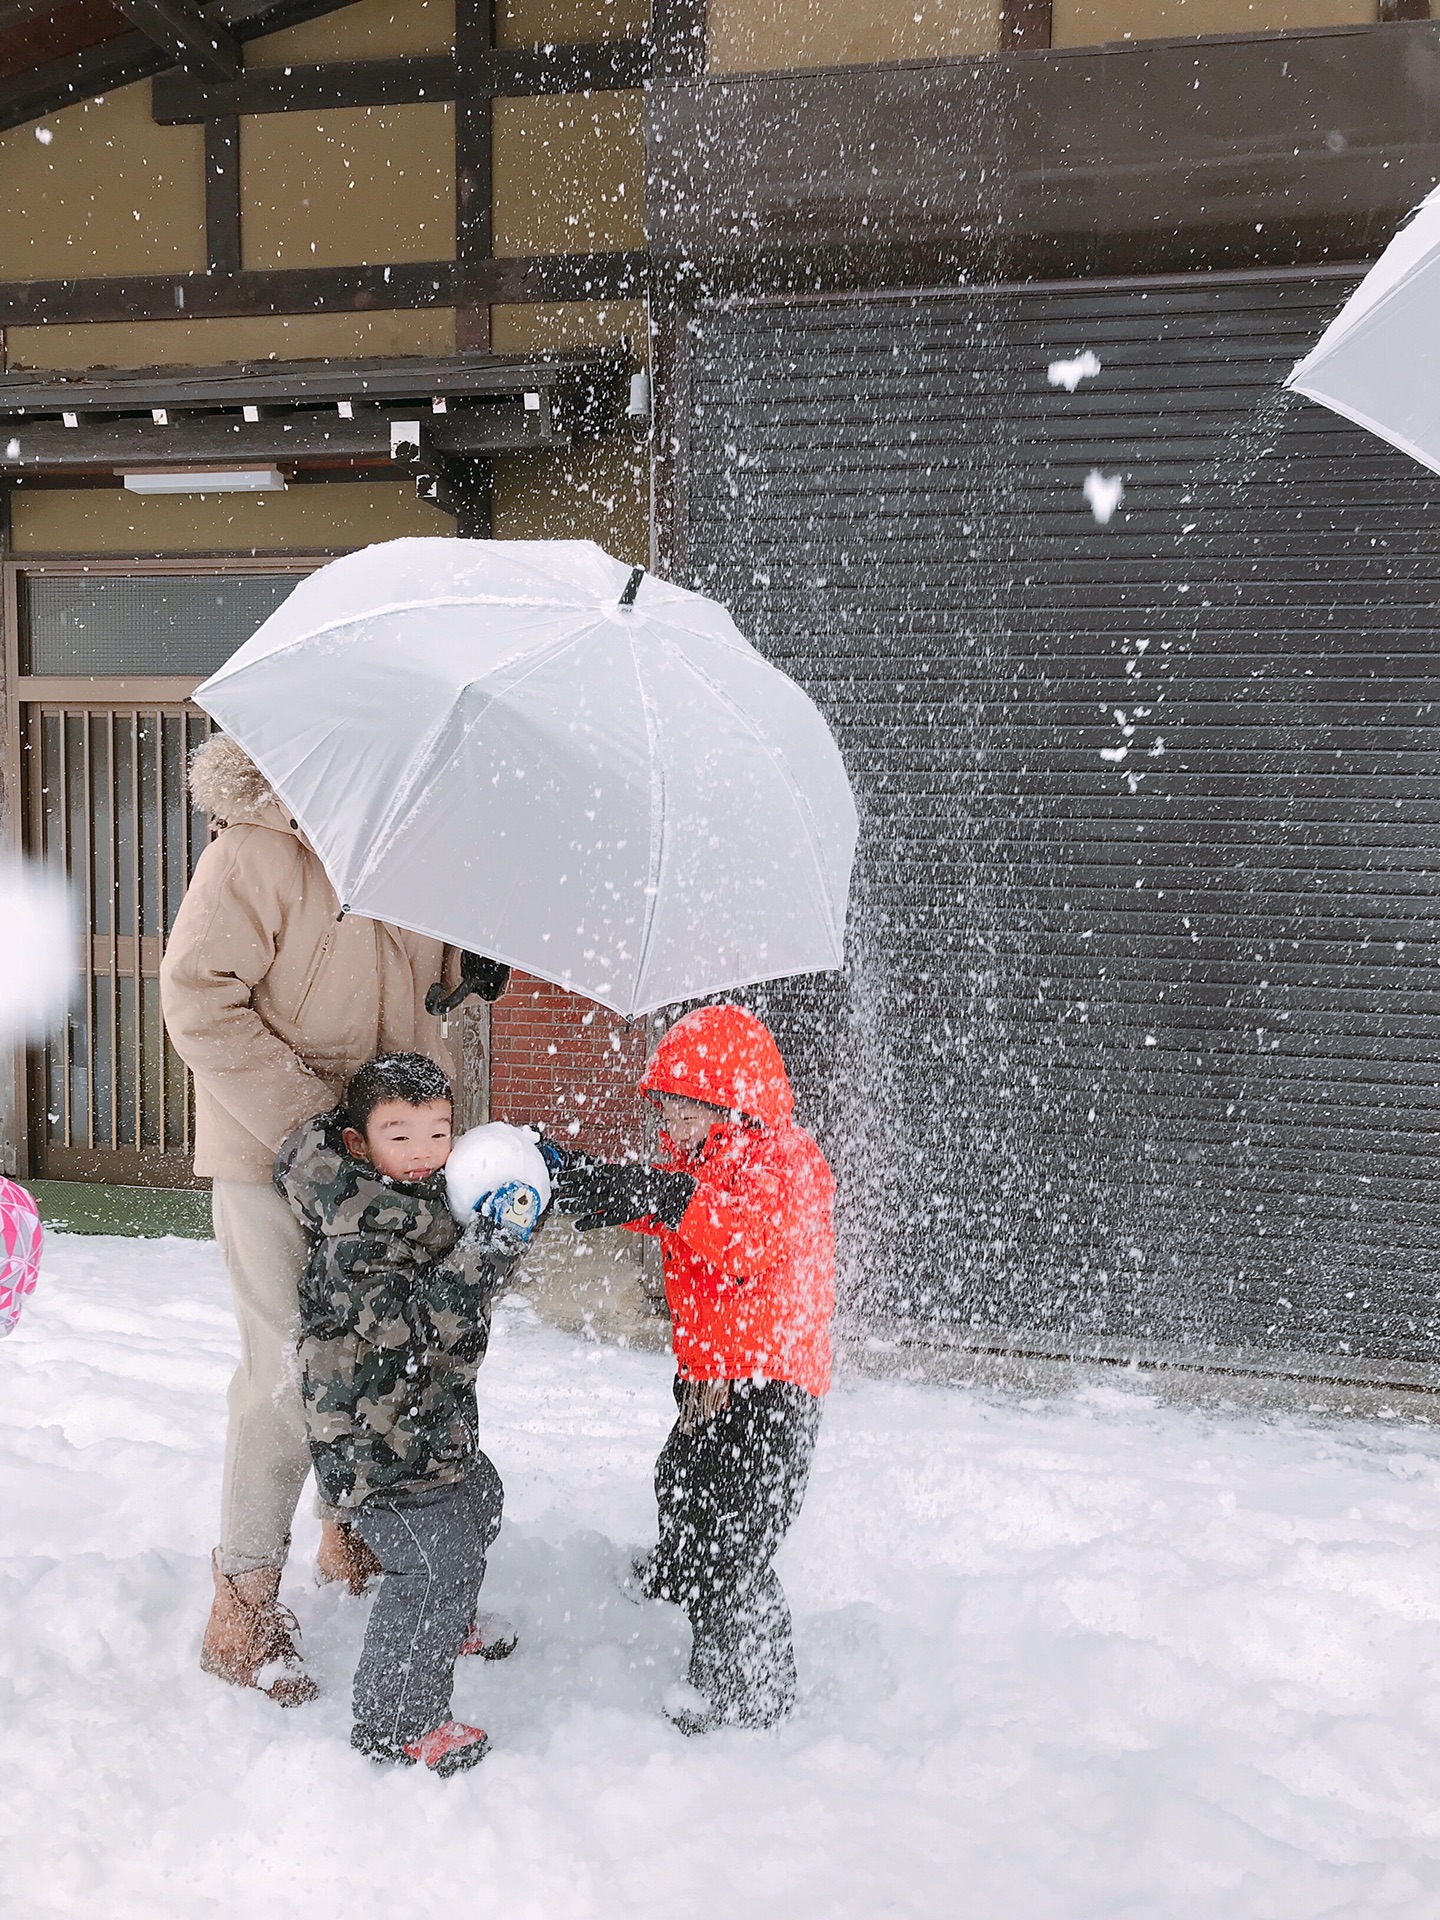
(432, 1545)
(728, 1490)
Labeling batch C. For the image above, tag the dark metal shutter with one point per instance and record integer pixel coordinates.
(1131, 1046)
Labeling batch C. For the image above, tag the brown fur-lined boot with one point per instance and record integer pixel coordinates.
(250, 1639)
(344, 1556)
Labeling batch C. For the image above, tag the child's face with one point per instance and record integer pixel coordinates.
(688, 1122)
(404, 1142)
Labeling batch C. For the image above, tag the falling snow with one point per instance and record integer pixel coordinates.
(1069, 373)
(1103, 492)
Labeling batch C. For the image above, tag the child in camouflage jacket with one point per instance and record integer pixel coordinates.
(394, 1323)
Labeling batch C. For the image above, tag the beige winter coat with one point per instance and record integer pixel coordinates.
(272, 996)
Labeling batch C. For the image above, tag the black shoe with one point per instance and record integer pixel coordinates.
(640, 1582)
(692, 1720)
(452, 1747)
(385, 1753)
(491, 1637)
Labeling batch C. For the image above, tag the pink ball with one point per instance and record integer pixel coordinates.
(21, 1238)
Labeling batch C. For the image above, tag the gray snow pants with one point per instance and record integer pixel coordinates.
(728, 1490)
(432, 1546)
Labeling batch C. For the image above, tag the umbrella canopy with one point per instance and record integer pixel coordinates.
(482, 743)
(1378, 362)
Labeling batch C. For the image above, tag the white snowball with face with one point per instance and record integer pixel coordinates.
(490, 1157)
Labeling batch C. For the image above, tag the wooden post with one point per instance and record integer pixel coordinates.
(474, 168)
(1025, 25)
(678, 30)
(222, 195)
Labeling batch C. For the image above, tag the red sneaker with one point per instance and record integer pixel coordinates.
(492, 1637)
(449, 1748)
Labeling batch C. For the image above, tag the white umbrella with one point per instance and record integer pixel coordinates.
(1378, 362)
(483, 743)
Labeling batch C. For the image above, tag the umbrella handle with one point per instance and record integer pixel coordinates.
(438, 1003)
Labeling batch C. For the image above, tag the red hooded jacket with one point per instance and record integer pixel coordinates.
(750, 1270)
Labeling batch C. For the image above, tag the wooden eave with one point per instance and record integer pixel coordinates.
(184, 416)
(55, 55)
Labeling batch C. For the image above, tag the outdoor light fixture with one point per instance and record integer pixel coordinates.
(205, 480)
(637, 409)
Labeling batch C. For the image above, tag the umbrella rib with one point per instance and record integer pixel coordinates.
(329, 628)
(792, 786)
(421, 764)
(657, 818)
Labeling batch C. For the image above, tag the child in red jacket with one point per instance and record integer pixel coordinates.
(741, 1202)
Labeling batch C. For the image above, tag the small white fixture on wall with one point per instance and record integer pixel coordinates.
(205, 480)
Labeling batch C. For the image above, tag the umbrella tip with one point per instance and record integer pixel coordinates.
(632, 587)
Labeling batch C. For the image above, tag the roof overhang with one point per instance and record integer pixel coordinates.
(307, 417)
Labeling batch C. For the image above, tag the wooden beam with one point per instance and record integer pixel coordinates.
(250, 19)
(182, 99)
(605, 66)
(184, 34)
(678, 28)
(381, 382)
(463, 488)
(439, 283)
(499, 426)
(134, 56)
(474, 168)
(222, 195)
(79, 76)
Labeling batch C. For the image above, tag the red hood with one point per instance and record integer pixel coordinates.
(727, 1058)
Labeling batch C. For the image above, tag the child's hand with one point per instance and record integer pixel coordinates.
(557, 1158)
(508, 1217)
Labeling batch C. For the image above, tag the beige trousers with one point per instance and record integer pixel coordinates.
(266, 1453)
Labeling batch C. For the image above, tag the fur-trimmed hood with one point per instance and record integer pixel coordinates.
(226, 783)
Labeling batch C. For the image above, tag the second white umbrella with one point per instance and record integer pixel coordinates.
(1378, 362)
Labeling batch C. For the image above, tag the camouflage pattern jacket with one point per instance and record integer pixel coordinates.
(394, 1320)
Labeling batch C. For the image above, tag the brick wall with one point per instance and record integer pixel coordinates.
(561, 1059)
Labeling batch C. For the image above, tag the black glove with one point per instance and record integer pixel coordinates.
(488, 978)
(616, 1196)
(557, 1158)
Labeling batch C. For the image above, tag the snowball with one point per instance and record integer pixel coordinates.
(489, 1157)
(1104, 491)
(37, 949)
(1069, 373)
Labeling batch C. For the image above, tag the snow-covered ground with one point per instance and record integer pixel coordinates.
(1079, 1657)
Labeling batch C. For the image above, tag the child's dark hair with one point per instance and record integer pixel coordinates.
(410, 1077)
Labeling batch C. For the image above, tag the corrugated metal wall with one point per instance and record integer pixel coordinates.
(1140, 1036)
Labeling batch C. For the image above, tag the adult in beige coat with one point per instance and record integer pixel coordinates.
(273, 997)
